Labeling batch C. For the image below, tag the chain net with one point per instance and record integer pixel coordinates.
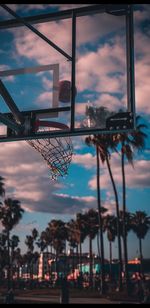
(57, 152)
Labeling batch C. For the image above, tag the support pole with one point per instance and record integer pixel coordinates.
(130, 61)
(12, 125)
(73, 79)
(11, 104)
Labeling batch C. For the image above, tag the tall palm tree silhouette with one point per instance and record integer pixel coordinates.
(130, 142)
(110, 226)
(141, 226)
(10, 215)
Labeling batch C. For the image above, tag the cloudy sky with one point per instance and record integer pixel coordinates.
(100, 80)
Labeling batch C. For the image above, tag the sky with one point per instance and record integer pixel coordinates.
(100, 80)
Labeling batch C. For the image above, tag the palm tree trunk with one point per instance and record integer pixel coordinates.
(124, 222)
(73, 266)
(43, 269)
(18, 271)
(110, 259)
(91, 262)
(100, 223)
(80, 256)
(141, 257)
(118, 223)
(8, 256)
(98, 246)
(57, 267)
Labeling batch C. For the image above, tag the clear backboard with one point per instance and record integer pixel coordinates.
(66, 73)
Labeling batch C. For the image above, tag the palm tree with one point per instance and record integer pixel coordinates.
(127, 222)
(10, 215)
(103, 143)
(81, 233)
(72, 239)
(92, 140)
(42, 243)
(35, 255)
(100, 222)
(3, 253)
(14, 241)
(92, 221)
(34, 234)
(141, 226)
(48, 238)
(59, 235)
(30, 254)
(110, 226)
(129, 142)
(18, 258)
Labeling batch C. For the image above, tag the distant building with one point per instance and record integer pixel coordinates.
(45, 265)
(134, 261)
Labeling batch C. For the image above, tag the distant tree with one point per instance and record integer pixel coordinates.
(42, 241)
(92, 221)
(3, 253)
(81, 234)
(34, 233)
(104, 145)
(59, 235)
(18, 259)
(14, 241)
(10, 215)
(72, 239)
(110, 226)
(31, 256)
(141, 226)
(130, 142)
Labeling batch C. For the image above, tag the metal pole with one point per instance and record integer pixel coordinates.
(54, 16)
(59, 134)
(11, 104)
(130, 61)
(43, 37)
(12, 125)
(73, 79)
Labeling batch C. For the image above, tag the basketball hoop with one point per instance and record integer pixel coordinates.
(57, 152)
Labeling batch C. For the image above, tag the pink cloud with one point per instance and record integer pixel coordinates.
(87, 160)
(26, 178)
(139, 177)
(142, 68)
(45, 98)
(93, 67)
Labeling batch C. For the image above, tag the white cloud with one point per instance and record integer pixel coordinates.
(87, 160)
(142, 68)
(26, 178)
(5, 67)
(25, 173)
(78, 198)
(102, 70)
(139, 177)
(94, 68)
(44, 98)
(47, 83)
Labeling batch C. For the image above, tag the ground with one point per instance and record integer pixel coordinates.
(39, 296)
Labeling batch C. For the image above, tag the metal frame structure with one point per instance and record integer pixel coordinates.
(15, 120)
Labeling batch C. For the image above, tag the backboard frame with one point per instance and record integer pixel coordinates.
(125, 10)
